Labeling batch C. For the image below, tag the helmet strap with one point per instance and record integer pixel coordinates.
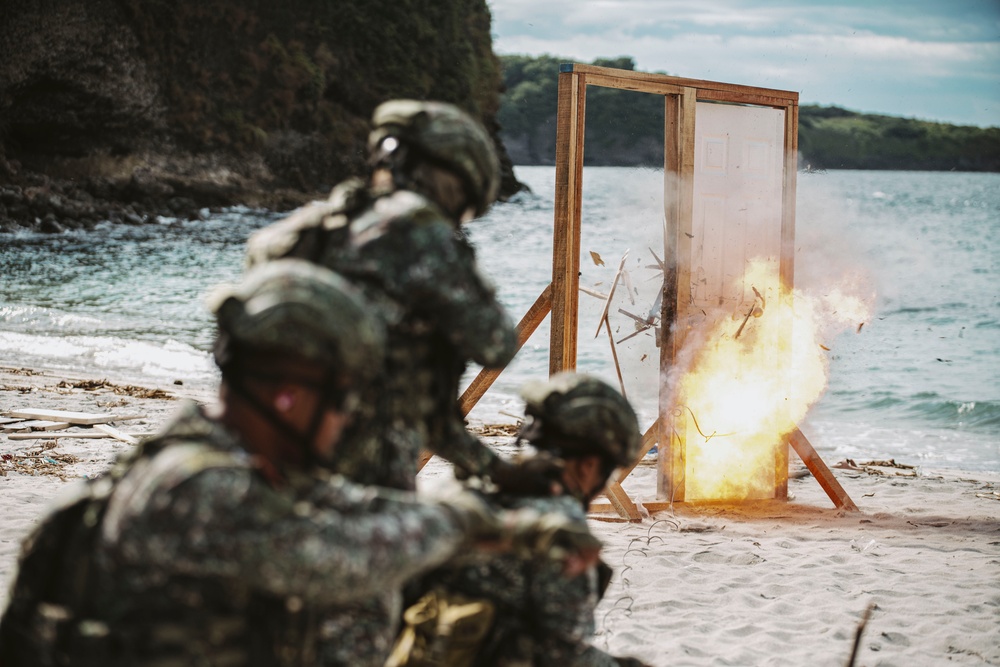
(235, 377)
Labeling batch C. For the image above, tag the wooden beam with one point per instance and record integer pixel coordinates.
(786, 267)
(616, 494)
(820, 471)
(609, 507)
(649, 438)
(625, 83)
(657, 80)
(788, 195)
(621, 502)
(743, 98)
(679, 136)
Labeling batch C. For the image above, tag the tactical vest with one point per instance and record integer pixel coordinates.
(348, 234)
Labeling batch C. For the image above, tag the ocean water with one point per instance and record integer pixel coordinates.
(918, 382)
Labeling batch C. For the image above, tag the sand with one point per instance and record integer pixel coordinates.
(770, 583)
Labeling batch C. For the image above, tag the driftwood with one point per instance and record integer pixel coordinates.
(496, 430)
(121, 390)
(878, 467)
(857, 635)
(34, 425)
(53, 436)
(116, 434)
(82, 418)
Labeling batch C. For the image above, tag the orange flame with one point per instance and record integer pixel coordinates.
(753, 373)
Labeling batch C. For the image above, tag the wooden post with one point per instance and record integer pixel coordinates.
(566, 227)
(787, 265)
(679, 116)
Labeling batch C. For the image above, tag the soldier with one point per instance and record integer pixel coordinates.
(541, 617)
(222, 540)
(399, 236)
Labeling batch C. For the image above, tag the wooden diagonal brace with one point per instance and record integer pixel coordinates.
(820, 471)
(620, 500)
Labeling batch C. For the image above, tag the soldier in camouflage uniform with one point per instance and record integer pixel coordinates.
(399, 236)
(223, 541)
(543, 618)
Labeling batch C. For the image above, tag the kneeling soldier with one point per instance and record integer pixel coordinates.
(529, 613)
(222, 540)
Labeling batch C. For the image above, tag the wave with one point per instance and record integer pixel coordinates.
(928, 408)
(116, 358)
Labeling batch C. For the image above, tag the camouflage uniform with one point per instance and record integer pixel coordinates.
(440, 311)
(202, 561)
(543, 618)
(420, 272)
(413, 264)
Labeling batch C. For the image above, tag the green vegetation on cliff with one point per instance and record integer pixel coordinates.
(626, 128)
(135, 108)
(306, 74)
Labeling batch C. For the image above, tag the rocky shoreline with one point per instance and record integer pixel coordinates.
(80, 193)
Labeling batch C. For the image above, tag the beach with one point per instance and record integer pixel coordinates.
(765, 583)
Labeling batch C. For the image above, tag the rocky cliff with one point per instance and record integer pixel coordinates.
(127, 109)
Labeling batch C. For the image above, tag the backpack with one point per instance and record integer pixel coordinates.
(443, 629)
(448, 628)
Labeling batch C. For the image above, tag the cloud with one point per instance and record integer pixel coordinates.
(868, 56)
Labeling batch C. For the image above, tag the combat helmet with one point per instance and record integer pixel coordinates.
(443, 134)
(296, 308)
(577, 414)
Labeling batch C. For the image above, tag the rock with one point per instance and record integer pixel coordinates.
(49, 225)
(145, 185)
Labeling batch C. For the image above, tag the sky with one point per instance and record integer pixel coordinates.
(936, 60)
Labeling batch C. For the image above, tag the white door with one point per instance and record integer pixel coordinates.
(738, 175)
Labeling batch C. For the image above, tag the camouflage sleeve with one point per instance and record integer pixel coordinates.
(339, 542)
(441, 278)
(463, 449)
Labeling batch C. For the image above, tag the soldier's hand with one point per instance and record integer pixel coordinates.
(555, 537)
(527, 532)
(480, 521)
(537, 475)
